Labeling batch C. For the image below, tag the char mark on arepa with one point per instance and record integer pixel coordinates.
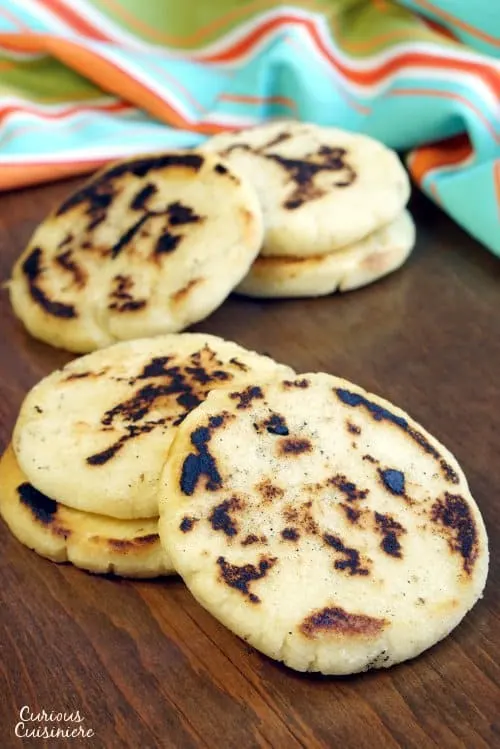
(352, 559)
(179, 214)
(301, 384)
(393, 480)
(352, 428)
(132, 432)
(239, 364)
(338, 621)
(139, 200)
(269, 491)
(252, 539)
(245, 397)
(241, 577)
(127, 236)
(187, 524)
(279, 138)
(276, 424)
(303, 172)
(181, 294)
(41, 507)
(348, 488)
(84, 375)
(188, 385)
(294, 446)
(121, 298)
(290, 534)
(67, 262)
(32, 270)
(99, 192)
(301, 517)
(220, 518)
(221, 169)
(454, 515)
(390, 530)
(379, 413)
(201, 463)
(351, 513)
(126, 545)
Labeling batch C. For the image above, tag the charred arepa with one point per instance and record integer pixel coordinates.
(96, 543)
(147, 246)
(361, 263)
(320, 188)
(321, 524)
(96, 434)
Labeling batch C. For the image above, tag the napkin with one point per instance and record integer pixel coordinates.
(83, 82)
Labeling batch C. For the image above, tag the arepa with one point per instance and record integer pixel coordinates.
(321, 524)
(97, 432)
(146, 246)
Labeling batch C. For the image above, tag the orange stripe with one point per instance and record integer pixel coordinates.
(110, 77)
(449, 18)
(21, 175)
(496, 179)
(490, 76)
(24, 42)
(7, 65)
(243, 99)
(364, 77)
(442, 153)
(447, 95)
(434, 192)
(75, 20)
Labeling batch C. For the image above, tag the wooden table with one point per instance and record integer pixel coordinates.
(144, 664)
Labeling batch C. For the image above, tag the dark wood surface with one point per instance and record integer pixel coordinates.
(143, 663)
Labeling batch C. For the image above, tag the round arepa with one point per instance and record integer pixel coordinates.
(97, 432)
(320, 188)
(321, 524)
(96, 543)
(147, 246)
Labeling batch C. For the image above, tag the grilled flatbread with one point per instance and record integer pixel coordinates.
(147, 246)
(130, 548)
(354, 266)
(98, 431)
(321, 524)
(320, 188)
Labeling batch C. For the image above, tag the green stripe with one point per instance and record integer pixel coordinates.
(45, 80)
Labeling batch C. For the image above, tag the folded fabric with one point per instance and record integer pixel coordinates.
(86, 81)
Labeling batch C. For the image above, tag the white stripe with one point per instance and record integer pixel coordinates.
(365, 63)
(415, 71)
(469, 80)
(17, 101)
(394, 51)
(132, 68)
(49, 18)
(108, 27)
(19, 119)
(240, 32)
(224, 119)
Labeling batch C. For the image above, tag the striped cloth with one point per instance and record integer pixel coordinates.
(86, 81)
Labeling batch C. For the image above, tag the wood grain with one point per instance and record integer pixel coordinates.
(143, 663)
